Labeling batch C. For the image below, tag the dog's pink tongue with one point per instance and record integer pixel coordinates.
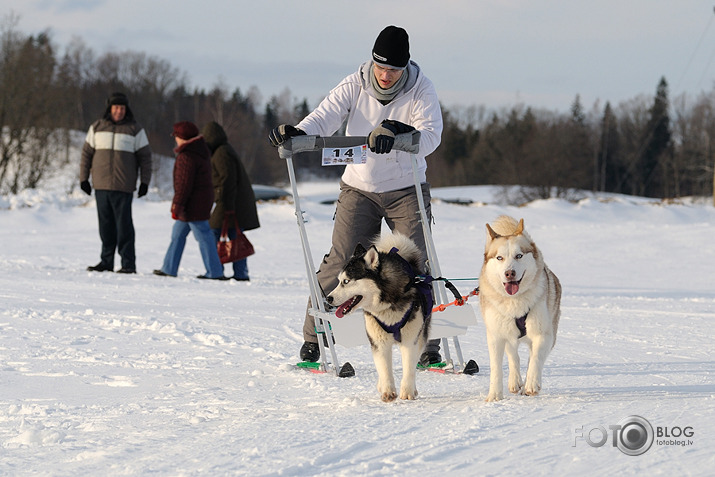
(511, 287)
(340, 312)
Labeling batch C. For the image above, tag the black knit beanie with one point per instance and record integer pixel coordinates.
(392, 47)
(117, 98)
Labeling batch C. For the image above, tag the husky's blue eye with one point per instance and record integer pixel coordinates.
(519, 256)
(500, 258)
(346, 281)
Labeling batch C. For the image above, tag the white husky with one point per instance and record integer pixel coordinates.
(381, 280)
(520, 301)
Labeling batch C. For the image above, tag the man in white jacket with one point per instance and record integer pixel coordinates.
(386, 96)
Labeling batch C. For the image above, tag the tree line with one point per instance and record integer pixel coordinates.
(647, 146)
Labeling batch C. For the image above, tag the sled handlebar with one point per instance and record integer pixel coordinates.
(407, 142)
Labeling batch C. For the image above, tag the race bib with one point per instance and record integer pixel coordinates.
(341, 156)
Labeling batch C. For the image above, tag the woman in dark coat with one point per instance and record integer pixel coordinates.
(233, 192)
(191, 206)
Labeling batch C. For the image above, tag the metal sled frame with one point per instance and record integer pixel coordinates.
(408, 142)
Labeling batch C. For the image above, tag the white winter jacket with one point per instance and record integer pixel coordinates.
(354, 98)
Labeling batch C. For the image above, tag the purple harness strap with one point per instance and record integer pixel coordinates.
(426, 300)
(396, 329)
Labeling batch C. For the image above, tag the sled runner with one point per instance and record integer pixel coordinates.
(349, 331)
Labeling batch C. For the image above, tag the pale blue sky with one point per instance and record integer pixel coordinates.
(477, 52)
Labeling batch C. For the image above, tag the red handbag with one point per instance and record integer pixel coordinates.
(236, 249)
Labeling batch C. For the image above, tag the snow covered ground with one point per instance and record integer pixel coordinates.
(108, 374)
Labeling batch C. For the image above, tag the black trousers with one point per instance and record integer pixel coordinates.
(116, 228)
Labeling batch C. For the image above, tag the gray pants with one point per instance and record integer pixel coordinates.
(358, 219)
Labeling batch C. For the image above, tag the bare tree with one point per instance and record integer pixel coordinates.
(28, 101)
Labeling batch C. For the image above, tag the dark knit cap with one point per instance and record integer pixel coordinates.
(117, 98)
(185, 130)
(392, 47)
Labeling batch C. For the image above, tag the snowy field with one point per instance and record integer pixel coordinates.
(108, 374)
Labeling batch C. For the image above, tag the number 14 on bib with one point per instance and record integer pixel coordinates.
(341, 156)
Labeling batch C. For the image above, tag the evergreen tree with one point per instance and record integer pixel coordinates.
(577, 170)
(610, 170)
(577, 114)
(270, 118)
(302, 110)
(655, 144)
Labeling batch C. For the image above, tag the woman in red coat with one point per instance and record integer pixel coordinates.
(193, 199)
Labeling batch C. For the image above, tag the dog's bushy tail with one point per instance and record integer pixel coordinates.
(405, 246)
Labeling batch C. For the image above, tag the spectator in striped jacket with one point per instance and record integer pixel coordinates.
(116, 153)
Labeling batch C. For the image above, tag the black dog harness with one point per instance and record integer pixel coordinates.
(422, 284)
(521, 324)
(396, 329)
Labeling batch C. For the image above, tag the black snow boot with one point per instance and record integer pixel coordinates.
(100, 267)
(430, 357)
(310, 352)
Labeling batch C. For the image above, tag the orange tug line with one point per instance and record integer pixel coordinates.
(458, 302)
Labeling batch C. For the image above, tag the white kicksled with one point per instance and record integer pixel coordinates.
(349, 331)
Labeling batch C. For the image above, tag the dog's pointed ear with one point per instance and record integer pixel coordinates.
(372, 258)
(359, 250)
(519, 228)
(491, 234)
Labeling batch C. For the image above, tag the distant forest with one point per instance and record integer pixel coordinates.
(648, 146)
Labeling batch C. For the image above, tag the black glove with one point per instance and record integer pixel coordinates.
(382, 138)
(143, 189)
(396, 126)
(283, 132)
(84, 185)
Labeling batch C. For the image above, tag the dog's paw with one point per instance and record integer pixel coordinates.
(389, 396)
(515, 386)
(386, 388)
(410, 395)
(494, 397)
(532, 389)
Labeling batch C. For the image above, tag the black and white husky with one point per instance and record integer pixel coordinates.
(381, 281)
